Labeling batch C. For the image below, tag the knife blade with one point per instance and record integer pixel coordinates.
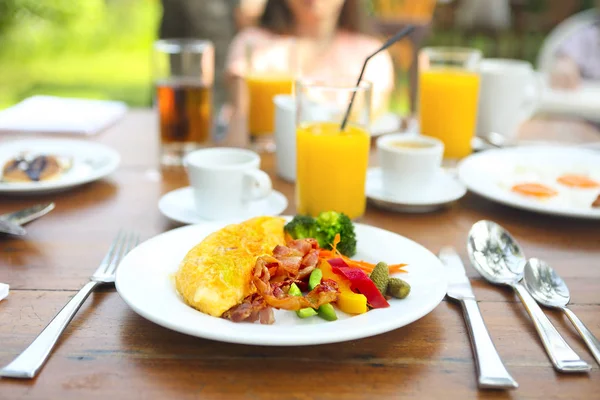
(491, 372)
(22, 217)
(459, 286)
(11, 228)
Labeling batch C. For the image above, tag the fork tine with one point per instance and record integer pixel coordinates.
(118, 248)
(132, 243)
(111, 251)
(129, 243)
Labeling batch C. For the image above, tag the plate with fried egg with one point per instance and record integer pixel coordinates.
(547, 179)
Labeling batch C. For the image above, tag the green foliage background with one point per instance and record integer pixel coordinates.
(84, 48)
(102, 48)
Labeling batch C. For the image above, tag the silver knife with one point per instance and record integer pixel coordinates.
(22, 217)
(11, 228)
(490, 370)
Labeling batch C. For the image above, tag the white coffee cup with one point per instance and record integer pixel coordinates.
(225, 181)
(285, 136)
(509, 95)
(409, 163)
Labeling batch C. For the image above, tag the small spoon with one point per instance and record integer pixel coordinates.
(550, 290)
(499, 259)
(492, 139)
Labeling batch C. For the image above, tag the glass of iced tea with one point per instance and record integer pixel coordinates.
(270, 71)
(183, 77)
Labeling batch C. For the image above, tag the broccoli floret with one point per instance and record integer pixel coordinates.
(301, 227)
(328, 224)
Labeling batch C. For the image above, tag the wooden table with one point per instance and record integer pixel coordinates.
(110, 352)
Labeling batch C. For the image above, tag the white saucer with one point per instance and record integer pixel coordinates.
(178, 205)
(443, 191)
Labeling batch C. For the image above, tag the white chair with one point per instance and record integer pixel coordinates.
(583, 103)
(559, 34)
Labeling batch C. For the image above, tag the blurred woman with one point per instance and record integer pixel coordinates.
(330, 45)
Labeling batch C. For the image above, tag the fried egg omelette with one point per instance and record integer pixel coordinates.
(217, 273)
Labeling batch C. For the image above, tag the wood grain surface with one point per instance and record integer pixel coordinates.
(109, 351)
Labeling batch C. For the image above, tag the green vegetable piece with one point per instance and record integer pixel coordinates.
(380, 277)
(294, 290)
(315, 278)
(398, 288)
(301, 227)
(328, 224)
(327, 312)
(304, 312)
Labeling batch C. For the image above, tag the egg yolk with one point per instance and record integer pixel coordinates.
(578, 181)
(535, 190)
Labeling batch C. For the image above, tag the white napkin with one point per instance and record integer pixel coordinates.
(48, 114)
(3, 291)
(583, 102)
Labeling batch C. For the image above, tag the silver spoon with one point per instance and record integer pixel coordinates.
(490, 139)
(499, 259)
(550, 290)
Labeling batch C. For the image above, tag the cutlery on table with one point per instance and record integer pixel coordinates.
(29, 362)
(27, 215)
(490, 369)
(11, 222)
(11, 228)
(499, 259)
(550, 290)
(490, 139)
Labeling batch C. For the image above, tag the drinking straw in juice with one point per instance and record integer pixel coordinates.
(331, 168)
(448, 108)
(261, 90)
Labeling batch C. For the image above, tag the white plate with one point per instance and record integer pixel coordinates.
(445, 190)
(144, 282)
(91, 161)
(178, 205)
(491, 174)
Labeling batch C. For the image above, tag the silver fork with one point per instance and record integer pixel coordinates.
(31, 360)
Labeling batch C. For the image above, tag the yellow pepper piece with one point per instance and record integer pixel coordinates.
(348, 301)
(352, 303)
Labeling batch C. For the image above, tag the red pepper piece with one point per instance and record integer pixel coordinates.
(359, 281)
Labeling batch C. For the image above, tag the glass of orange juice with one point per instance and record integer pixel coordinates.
(270, 71)
(331, 163)
(448, 94)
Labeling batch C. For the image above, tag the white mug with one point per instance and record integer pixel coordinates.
(509, 94)
(225, 181)
(285, 136)
(409, 163)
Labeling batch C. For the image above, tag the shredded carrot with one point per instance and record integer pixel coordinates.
(363, 265)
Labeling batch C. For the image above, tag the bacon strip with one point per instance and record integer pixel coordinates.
(273, 276)
(250, 309)
(324, 293)
(295, 261)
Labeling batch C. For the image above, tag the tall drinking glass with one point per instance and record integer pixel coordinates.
(270, 71)
(332, 164)
(183, 77)
(448, 94)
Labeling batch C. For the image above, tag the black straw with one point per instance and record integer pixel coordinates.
(408, 29)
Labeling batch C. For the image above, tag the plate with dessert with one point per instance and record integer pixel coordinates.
(38, 166)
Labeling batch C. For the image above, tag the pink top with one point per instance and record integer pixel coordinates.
(343, 58)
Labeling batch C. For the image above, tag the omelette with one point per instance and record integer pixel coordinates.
(216, 274)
